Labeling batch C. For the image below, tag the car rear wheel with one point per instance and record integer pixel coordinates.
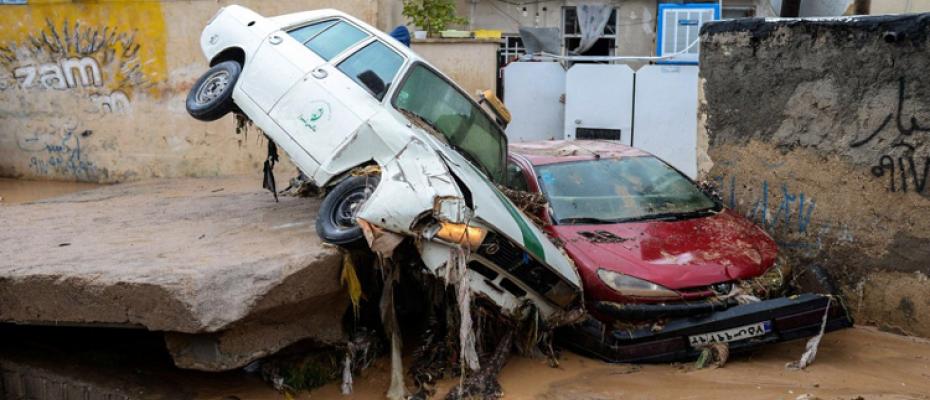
(211, 96)
(336, 221)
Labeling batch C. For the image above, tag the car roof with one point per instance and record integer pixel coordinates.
(557, 151)
(287, 21)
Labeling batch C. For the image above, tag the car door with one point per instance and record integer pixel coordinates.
(281, 61)
(333, 100)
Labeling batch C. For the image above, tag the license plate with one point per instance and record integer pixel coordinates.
(731, 335)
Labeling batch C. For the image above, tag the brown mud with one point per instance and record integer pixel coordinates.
(851, 363)
(14, 191)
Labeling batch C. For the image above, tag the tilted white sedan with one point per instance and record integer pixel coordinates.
(337, 96)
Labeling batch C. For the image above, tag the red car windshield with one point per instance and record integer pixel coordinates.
(620, 190)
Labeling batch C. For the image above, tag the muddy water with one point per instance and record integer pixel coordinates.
(851, 363)
(14, 191)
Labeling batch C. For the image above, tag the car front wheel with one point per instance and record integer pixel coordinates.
(211, 96)
(336, 221)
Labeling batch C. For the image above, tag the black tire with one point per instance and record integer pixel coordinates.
(336, 220)
(211, 96)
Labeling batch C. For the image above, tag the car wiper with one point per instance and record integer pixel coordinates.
(434, 129)
(586, 220)
(673, 216)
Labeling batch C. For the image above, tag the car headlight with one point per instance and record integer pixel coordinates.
(463, 234)
(634, 287)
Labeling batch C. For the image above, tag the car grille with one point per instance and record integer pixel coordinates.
(517, 262)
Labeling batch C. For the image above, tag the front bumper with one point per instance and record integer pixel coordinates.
(791, 318)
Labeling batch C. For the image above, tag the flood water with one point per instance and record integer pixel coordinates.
(16, 191)
(858, 363)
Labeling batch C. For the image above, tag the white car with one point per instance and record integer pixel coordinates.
(338, 96)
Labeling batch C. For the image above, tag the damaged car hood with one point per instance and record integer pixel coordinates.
(676, 254)
(493, 208)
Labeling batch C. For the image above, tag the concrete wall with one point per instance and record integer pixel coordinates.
(819, 131)
(470, 63)
(94, 91)
(899, 6)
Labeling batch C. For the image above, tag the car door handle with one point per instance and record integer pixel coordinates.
(319, 73)
(275, 39)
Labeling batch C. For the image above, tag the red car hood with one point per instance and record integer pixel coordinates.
(676, 254)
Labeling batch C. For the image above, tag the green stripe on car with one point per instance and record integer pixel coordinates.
(530, 240)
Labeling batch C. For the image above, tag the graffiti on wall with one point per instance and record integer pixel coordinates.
(104, 63)
(75, 62)
(56, 150)
(786, 214)
(898, 164)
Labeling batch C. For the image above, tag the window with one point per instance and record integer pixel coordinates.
(373, 60)
(303, 34)
(510, 50)
(733, 12)
(328, 38)
(571, 34)
(465, 126)
(679, 28)
(617, 190)
(515, 178)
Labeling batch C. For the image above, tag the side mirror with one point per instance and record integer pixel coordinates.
(373, 82)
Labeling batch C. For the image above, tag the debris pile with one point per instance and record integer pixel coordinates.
(533, 204)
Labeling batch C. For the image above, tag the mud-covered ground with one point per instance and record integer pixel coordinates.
(851, 364)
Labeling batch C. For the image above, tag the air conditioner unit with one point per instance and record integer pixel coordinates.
(680, 27)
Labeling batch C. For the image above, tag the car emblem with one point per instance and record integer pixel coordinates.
(491, 247)
(214, 39)
(319, 112)
(722, 289)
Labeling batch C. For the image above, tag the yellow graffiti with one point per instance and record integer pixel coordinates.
(125, 38)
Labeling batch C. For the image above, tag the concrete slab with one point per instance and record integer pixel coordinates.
(229, 273)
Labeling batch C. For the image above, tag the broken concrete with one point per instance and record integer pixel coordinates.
(818, 132)
(229, 274)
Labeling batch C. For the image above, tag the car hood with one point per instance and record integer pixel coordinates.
(494, 209)
(676, 254)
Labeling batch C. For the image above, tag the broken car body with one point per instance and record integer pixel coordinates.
(651, 247)
(399, 147)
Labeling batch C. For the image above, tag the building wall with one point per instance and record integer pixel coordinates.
(818, 131)
(470, 63)
(635, 20)
(899, 6)
(95, 91)
(818, 8)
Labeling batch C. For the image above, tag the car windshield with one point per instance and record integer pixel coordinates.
(620, 190)
(447, 110)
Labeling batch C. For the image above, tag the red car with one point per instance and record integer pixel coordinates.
(650, 245)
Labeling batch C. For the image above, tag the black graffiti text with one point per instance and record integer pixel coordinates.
(906, 167)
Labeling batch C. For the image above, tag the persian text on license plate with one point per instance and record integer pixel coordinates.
(731, 335)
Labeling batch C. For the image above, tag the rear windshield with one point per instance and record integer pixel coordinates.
(616, 190)
(466, 128)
